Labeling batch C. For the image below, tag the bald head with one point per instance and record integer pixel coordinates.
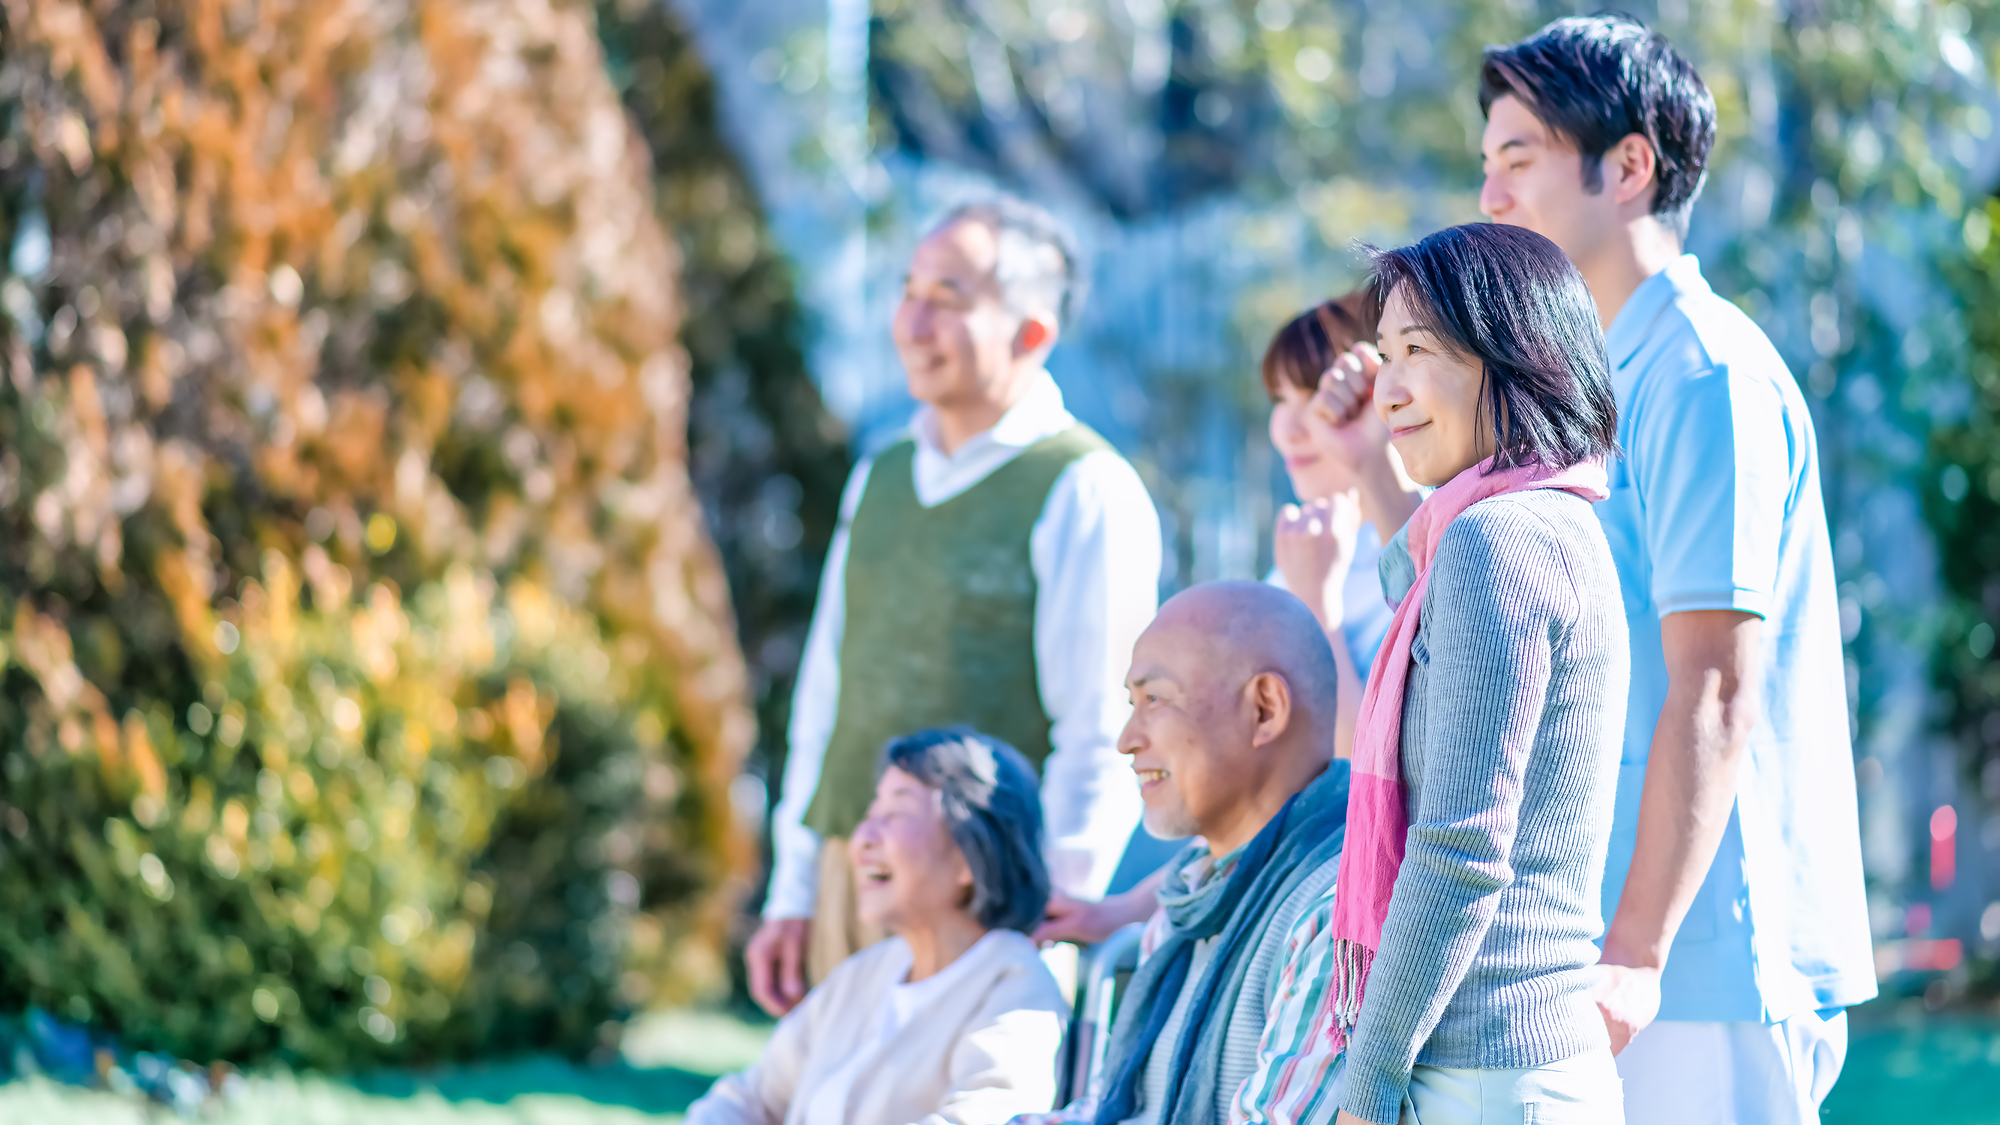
(1252, 627)
(1233, 704)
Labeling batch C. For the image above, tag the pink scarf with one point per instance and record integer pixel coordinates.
(1378, 818)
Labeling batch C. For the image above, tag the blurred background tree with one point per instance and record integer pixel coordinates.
(1965, 508)
(371, 688)
(1152, 107)
(767, 458)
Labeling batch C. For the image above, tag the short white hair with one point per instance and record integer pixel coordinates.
(1037, 261)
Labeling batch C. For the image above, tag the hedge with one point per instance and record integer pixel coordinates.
(370, 687)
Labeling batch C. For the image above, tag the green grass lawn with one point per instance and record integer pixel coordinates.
(669, 1060)
(1903, 1065)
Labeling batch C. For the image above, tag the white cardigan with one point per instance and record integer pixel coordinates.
(977, 1055)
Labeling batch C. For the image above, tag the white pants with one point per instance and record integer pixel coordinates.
(1578, 1091)
(1732, 1073)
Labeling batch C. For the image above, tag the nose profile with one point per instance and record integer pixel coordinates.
(1494, 200)
(916, 318)
(864, 834)
(1289, 428)
(1129, 741)
(1390, 393)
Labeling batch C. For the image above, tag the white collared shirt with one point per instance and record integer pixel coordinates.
(1096, 555)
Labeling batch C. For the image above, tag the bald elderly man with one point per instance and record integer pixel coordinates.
(1231, 737)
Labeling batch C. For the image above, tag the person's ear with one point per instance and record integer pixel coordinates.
(1633, 169)
(968, 887)
(1271, 701)
(1037, 333)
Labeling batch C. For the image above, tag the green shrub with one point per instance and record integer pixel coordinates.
(370, 690)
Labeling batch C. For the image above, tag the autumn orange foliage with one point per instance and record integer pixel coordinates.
(357, 597)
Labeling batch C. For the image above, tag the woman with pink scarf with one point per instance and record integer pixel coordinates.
(1486, 749)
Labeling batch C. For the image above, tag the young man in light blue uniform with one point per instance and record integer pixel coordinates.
(1735, 845)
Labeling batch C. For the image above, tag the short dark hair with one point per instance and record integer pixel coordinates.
(1511, 299)
(1307, 345)
(993, 811)
(1595, 80)
(1040, 266)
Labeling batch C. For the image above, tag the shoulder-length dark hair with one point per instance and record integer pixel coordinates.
(1305, 348)
(1510, 299)
(993, 812)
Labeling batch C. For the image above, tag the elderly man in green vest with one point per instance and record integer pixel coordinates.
(993, 567)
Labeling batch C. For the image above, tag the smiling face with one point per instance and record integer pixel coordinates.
(907, 870)
(1304, 440)
(953, 330)
(1534, 179)
(1189, 733)
(1429, 398)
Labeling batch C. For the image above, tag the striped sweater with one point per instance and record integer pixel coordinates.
(1275, 1061)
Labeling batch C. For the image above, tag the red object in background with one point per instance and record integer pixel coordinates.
(1939, 955)
(1918, 955)
(1944, 847)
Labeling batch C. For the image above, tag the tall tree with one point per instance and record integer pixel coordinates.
(371, 687)
(767, 458)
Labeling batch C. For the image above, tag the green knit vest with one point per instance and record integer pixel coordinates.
(940, 618)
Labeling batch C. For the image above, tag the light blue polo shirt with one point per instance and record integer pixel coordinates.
(1716, 505)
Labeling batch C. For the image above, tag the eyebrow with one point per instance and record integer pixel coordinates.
(1405, 330)
(1515, 142)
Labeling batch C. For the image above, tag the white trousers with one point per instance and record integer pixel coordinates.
(1578, 1091)
(1732, 1073)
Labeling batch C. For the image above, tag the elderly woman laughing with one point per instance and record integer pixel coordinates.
(953, 1019)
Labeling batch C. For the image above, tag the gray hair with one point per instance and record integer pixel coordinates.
(1038, 263)
(993, 812)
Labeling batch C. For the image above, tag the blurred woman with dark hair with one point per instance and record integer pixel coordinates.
(1486, 754)
(1352, 493)
(953, 1020)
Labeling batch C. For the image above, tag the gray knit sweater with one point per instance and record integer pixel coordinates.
(1512, 722)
